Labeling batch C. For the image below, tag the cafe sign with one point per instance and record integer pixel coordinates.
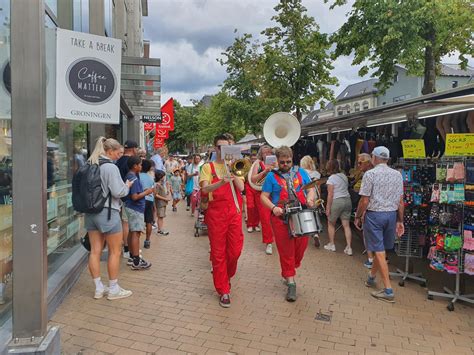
(88, 77)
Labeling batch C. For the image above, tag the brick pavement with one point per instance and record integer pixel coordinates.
(174, 309)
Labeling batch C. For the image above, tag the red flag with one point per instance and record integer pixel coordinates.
(149, 126)
(167, 114)
(162, 133)
(158, 143)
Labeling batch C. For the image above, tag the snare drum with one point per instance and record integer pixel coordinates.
(303, 223)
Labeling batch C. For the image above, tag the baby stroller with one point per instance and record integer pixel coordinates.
(199, 225)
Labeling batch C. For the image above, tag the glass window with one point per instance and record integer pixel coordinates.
(454, 84)
(6, 260)
(53, 6)
(109, 11)
(365, 105)
(356, 107)
(81, 15)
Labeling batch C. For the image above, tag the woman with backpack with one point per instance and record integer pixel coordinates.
(106, 226)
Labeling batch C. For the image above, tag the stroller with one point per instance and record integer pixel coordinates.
(199, 225)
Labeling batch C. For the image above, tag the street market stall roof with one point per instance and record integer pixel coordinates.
(446, 102)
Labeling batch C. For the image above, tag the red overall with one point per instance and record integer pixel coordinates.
(224, 226)
(264, 214)
(253, 218)
(291, 250)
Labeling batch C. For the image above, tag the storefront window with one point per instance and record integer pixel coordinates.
(6, 260)
(53, 6)
(109, 10)
(81, 15)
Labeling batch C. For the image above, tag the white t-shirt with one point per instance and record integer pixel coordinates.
(340, 183)
(191, 169)
(313, 174)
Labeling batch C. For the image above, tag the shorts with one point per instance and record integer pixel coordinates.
(149, 209)
(161, 212)
(380, 230)
(341, 208)
(100, 222)
(136, 220)
(123, 215)
(177, 196)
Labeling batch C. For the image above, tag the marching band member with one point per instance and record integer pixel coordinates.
(280, 187)
(252, 196)
(223, 220)
(259, 173)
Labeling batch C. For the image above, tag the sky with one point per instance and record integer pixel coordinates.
(190, 35)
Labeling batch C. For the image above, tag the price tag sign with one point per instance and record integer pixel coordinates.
(460, 144)
(413, 148)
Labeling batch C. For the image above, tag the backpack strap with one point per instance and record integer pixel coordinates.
(109, 212)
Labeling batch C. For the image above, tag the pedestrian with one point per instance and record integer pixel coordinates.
(380, 212)
(148, 182)
(171, 165)
(283, 185)
(162, 197)
(338, 205)
(308, 164)
(100, 227)
(130, 149)
(135, 209)
(176, 188)
(223, 220)
(258, 175)
(363, 164)
(192, 172)
(158, 159)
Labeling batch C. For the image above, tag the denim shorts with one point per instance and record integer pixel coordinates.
(380, 230)
(100, 221)
(136, 220)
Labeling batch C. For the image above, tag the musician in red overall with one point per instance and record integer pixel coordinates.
(258, 174)
(223, 220)
(280, 187)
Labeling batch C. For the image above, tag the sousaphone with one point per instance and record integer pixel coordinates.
(281, 128)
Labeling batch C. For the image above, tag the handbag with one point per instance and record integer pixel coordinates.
(86, 242)
(189, 187)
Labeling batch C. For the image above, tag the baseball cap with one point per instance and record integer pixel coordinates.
(130, 144)
(381, 152)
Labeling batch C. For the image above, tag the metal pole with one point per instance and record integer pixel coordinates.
(28, 66)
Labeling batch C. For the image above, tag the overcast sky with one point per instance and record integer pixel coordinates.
(189, 35)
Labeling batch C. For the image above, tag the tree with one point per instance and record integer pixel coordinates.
(185, 130)
(290, 70)
(415, 33)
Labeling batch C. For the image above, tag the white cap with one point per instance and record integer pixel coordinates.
(381, 152)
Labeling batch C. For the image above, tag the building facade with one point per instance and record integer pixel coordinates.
(67, 144)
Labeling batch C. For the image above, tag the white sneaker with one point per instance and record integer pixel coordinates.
(121, 294)
(126, 254)
(348, 251)
(250, 229)
(257, 229)
(269, 250)
(330, 247)
(99, 294)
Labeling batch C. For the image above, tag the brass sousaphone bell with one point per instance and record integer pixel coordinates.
(281, 128)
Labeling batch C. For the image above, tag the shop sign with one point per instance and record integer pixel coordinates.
(460, 144)
(413, 148)
(162, 133)
(88, 77)
(151, 118)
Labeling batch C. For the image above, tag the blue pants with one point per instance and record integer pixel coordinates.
(380, 230)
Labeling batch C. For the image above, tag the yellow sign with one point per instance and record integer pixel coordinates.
(413, 148)
(460, 144)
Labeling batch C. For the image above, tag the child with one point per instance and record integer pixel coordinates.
(135, 210)
(176, 188)
(161, 200)
(148, 182)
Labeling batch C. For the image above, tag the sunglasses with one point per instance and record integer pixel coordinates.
(285, 162)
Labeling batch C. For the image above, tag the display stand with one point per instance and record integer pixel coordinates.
(408, 247)
(455, 295)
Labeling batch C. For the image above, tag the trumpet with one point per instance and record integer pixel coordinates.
(240, 167)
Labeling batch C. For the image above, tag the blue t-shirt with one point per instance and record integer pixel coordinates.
(137, 188)
(147, 182)
(271, 184)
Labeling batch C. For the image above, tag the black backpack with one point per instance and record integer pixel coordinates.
(87, 195)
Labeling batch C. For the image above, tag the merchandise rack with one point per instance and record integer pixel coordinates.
(455, 295)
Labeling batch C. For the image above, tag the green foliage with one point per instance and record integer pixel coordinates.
(289, 71)
(415, 33)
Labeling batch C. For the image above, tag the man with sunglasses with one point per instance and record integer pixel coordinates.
(282, 186)
(223, 220)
